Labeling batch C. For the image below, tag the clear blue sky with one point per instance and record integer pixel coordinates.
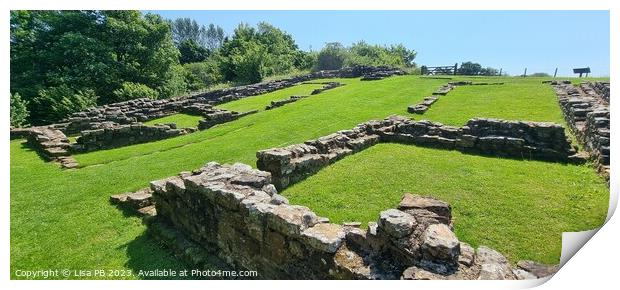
(511, 40)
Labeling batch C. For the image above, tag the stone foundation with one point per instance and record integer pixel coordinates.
(123, 135)
(220, 117)
(586, 110)
(141, 110)
(236, 214)
(280, 103)
(517, 139)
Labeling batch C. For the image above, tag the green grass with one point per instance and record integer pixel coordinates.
(518, 99)
(259, 102)
(62, 218)
(182, 120)
(517, 207)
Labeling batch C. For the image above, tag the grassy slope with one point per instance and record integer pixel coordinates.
(62, 219)
(517, 207)
(181, 120)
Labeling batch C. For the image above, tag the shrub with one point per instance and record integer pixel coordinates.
(19, 111)
(201, 75)
(130, 91)
(54, 103)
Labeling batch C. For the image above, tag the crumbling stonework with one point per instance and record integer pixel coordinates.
(141, 110)
(220, 117)
(280, 103)
(327, 86)
(235, 213)
(123, 135)
(422, 107)
(291, 99)
(381, 74)
(50, 143)
(586, 110)
(517, 139)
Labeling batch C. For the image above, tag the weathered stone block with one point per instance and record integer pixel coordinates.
(324, 237)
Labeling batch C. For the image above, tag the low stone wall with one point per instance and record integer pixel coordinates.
(233, 211)
(123, 135)
(220, 117)
(518, 139)
(280, 103)
(586, 110)
(141, 110)
(422, 107)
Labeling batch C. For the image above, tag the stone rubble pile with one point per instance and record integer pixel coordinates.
(517, 139)
(586, 110)
(235, 213)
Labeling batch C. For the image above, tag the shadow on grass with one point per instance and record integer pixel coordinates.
(28, 147)
(146, 256)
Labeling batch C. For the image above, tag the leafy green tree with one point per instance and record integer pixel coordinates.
(184, 29)
(406, 56)
(470, 68)
(332, 56)
(253, 53)
(19, 111)
(192, 52)
(130, 91)
(214, 37)
(87, 51)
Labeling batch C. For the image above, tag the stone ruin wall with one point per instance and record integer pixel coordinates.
(123, 135)
(542, 141)
(292, 99)
(586, 110)
(234, 212)
(141, 110)
(119, 124)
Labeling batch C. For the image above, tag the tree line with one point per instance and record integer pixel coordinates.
(66, 61)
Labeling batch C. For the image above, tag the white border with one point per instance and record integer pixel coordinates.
(595, 265)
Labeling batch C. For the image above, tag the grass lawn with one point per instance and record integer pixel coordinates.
(62, 218)
(517, 207)
(260, 102)
(182, 120)
(518, 99)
